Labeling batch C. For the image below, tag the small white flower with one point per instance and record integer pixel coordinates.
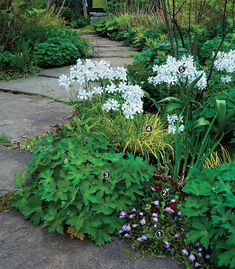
(225, 61)
(226, 79)
(174, 72)
(111, 104)
(175, 124)
(64, 81)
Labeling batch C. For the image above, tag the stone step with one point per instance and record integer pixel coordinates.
(93, 19)
(98, 14)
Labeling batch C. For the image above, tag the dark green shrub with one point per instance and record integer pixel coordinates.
(19, 61)
(210, 210)
(209, 47)
(68, 185)
(56, 52)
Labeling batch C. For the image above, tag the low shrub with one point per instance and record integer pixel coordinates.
(210, 211)
(55, 52)
(81, 182)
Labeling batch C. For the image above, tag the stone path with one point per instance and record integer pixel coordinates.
(11, 162)
(46, 82)
(25, 115)
(22, 245)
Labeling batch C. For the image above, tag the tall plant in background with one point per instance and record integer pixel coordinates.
(195, 14)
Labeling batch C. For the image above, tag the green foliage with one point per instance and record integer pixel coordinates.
(55, 52)
(20, 60)
(4, 140)
(222, 107)
(5, 202)
(210, 210)
(65, 185)
(124, 134)
(210, 46)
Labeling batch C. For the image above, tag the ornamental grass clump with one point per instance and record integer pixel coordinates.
(145, 135)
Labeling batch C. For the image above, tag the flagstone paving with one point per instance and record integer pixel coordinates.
(23, 245)
(46, 82)
(11, 162)
(25, 115)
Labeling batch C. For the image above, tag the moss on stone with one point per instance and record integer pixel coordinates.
(5, 202)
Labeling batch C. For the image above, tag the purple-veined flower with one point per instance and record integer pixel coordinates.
(143, 221)
(133, 210)
(192, 258)
(196, 265)
(123, 214)
(156, 203)
(155, 219)
(199, 254)
(141, 213)
(169, 210)
(132, 216)
(127, 235)
(207, 256)
(177, 236)
(135, 225)
(184, 251)
(142, 238)
(167, 245)
(154, 215)
(126, 228)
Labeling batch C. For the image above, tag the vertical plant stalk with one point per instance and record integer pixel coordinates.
(168, 26)
(224, 34)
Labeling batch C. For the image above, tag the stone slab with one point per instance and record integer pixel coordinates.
(24, 246)
(11, 162)
(56, 72)
(117, 61)
(23, 115)
(36, 85)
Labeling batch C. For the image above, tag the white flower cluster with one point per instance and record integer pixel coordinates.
(88, 79)
(225, 62)
(175, 124)
(176, 71)
(131, 99)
